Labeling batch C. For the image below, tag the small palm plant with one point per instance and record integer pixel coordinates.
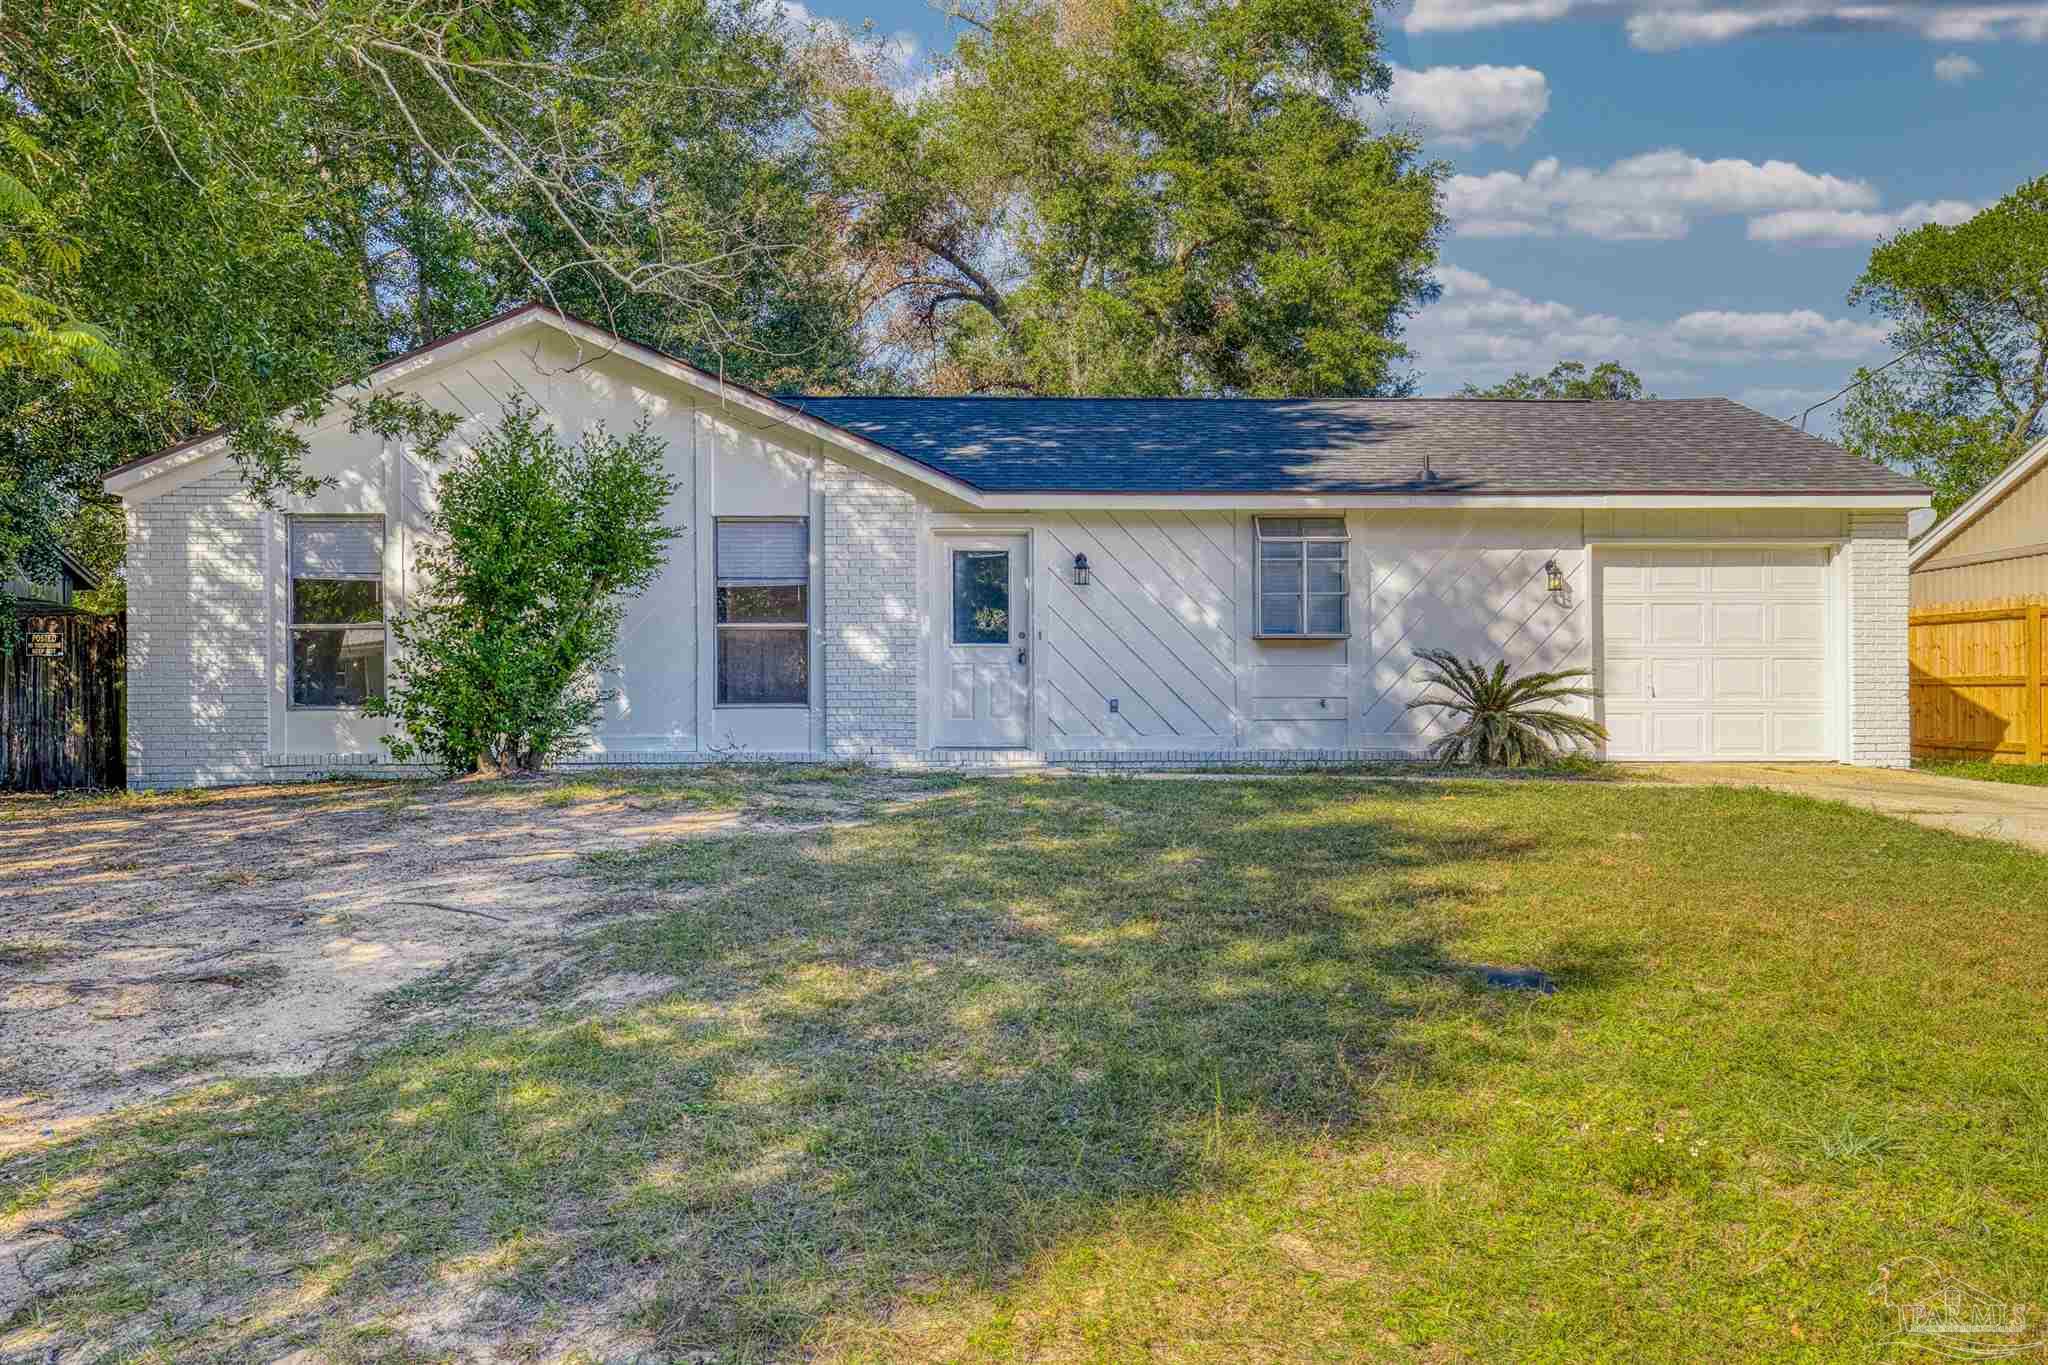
(1508, 722)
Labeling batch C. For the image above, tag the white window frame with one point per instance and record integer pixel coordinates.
(292, 624)
(803, 629)
(1261, 538)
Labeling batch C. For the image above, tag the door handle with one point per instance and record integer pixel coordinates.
(1020, 656)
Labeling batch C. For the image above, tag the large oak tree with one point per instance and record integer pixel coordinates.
(1137, 197)
(217, 211)
(1969, 310)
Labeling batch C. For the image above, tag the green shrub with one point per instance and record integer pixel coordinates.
(535, 546)
(1508, 722)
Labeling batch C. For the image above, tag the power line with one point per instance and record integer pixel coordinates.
(2006, 297)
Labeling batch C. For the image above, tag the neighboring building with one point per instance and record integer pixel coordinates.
(72, 578)
(1259, 574)
(1994, 546)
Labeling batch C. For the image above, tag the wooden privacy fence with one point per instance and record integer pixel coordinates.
(61, 712)
(1977, 680)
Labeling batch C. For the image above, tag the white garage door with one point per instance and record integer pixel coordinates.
(1714, 653)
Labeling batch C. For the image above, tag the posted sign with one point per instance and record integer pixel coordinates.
(46, 644)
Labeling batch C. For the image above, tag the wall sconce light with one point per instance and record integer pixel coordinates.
(1554, 575)
(1080, 571)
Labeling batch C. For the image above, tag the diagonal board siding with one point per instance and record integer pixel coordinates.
(1155, 631)
(1470, 582)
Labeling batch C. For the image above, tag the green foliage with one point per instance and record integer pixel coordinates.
(1970, 305)
(1567, 379)
(1503, 721)
(535, 545)
(1138, 197)
(251, 204)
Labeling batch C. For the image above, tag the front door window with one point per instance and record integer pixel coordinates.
(981, 597)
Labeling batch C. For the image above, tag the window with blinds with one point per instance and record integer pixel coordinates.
(337, 610)
(1304, 577)
(762, 568)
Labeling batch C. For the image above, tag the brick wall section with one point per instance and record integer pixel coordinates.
(198, 700)
(874, 638)
(1880, 712)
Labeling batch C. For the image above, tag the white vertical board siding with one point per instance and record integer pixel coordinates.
(754, 472)
(359, 465)
(1470, 582)
(654, 706)
(1155, 630)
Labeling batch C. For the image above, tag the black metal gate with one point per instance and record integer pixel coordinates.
(61, 693)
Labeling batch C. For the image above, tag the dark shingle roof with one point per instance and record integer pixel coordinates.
(1306, 445)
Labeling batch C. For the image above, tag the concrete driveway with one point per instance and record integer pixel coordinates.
(1994, 810)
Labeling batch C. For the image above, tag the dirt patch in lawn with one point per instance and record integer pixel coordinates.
(151, 943)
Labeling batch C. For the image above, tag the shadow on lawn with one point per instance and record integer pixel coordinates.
(899, 1058)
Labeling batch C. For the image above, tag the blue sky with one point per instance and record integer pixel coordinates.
(1688, 186)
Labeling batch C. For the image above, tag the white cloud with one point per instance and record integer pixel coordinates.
(1480, 331)
(1665, 24)
(1653, 196)
(896, 53)
(1466, 105)
(1802, 332)
(1955, 68)
(1838, 227)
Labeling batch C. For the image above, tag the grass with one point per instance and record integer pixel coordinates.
(1102, 1070)
(2024, 774)
(1564, 768)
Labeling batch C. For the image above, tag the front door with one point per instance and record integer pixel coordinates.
(985, 643)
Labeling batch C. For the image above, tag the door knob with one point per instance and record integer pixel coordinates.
(1020, 656)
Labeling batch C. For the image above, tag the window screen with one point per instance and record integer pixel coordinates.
(764, 551)
(337, 610)
(763, 612)
(1304, 576)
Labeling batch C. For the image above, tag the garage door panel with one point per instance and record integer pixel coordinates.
(1799, 623)
(1625, 572)
(1800, 734)
(1627, 734)
(1678, 573)
(1625, 679)
(1741, 734)
(1678, 734)
(1796, 573)
(1625, 623)
(1736, 572)
(1678, 623)
(1741, 623)
(1798, 679)
(1716, 652)
(1741, 679)
(1682, 679)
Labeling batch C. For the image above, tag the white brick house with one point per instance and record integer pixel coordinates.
(901, 579)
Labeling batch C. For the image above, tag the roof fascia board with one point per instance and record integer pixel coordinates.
(1271, 502)
(1986, 498)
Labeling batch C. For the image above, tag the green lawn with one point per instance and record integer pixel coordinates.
(1107, 1070)
(2025, 774)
